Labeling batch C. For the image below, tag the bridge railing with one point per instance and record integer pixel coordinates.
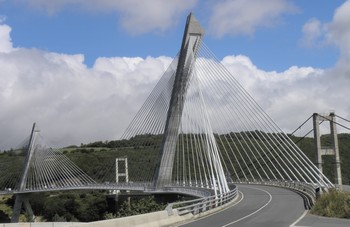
(138, 186)
(306, 190)
(197, 192)
(200, 205)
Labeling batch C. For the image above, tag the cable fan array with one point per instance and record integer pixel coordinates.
(11, 166)
(221, 124)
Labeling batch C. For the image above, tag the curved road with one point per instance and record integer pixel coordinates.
(258, 206)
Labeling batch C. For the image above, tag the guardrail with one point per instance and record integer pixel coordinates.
(306, 190)
(138, 186)
(200, 205)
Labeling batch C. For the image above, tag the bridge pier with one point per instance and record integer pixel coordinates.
(22, 199)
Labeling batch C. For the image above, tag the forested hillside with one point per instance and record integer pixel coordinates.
(130, 147)
(97, 159)
(307, 146)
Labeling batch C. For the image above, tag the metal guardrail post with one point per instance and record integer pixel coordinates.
(197, 206)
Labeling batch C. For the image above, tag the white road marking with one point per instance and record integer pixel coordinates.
(301, 217)
(242, 197)
(254, 211)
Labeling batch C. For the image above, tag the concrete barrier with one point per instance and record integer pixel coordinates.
(160, 218)
(345, 188)
(39, 224)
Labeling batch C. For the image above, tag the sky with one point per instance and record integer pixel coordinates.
(82, 68)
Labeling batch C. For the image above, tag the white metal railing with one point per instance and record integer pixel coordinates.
(200, 205)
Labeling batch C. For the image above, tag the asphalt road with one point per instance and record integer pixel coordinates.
(317, 221)
(260, 206)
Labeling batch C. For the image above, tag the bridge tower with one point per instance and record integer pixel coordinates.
(22, 199)
(332, 150)
(190, 44)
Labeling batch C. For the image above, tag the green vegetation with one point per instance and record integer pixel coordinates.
(70, 206)
(12, 165)
(99, 163)
(5, 209)
(333, 204)
(79, 206)
(139, 206)
(97, 159)
(307, 146)
(141, 151)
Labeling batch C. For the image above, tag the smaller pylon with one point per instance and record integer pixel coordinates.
(22, 199)
(332, 150)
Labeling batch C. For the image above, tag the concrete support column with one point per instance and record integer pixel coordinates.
(317, 142)
(334, 135)
(22, 199)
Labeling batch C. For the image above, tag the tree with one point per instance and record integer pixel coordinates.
(139, 206)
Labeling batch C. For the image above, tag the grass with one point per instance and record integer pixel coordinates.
(333, 204)
(3, 206)
(5, 209)
(77, 149)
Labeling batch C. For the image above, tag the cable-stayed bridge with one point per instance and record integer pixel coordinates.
(198, 131)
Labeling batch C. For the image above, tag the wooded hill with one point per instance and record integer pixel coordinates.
(307, 146)
(147, 143)
(97, 159)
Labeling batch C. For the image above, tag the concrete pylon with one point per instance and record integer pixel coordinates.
(190, 44)
(332, 150)
(22, 199)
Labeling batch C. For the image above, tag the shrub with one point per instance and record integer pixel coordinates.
(333, 204)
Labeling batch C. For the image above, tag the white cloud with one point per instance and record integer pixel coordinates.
(5, 39)
(334, 82)
(291, 96)
(339, 31)
(312, 32)
(243, 17)
(73, 103)
(70, 102)
(136, 16)
(335, 32)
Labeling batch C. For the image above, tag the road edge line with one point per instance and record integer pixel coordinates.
(299, 219)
